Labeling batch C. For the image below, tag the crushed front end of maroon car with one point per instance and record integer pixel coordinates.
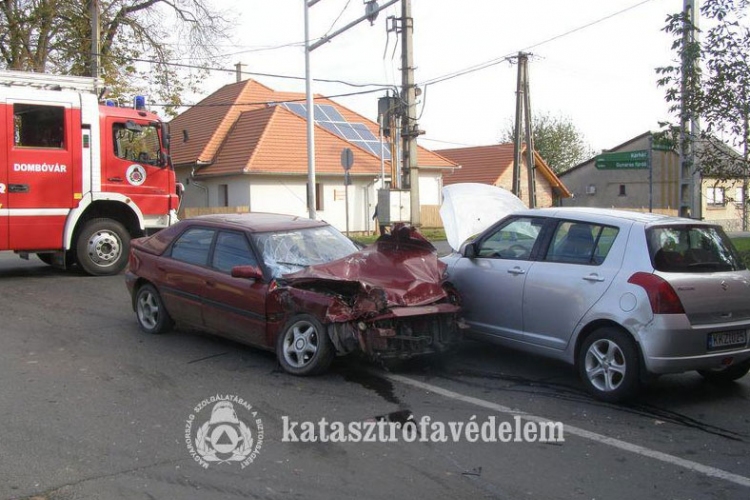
(387, 300)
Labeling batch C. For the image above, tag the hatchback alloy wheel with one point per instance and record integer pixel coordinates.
(605, 365)
(608, 364)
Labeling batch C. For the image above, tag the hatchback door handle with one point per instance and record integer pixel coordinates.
(593, 277)
(516, 271)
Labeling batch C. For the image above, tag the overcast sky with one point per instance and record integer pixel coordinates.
(593, 61)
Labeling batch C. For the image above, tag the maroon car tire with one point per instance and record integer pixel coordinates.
(303, 346)
(150, 311)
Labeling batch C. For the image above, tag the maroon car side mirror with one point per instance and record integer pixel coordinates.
(249, 272)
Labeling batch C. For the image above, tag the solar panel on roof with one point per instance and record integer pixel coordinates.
(348, 132)
(329, 117)
(364, 132)
(333, 113)
(332, 127)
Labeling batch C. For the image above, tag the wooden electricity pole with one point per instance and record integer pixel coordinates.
(410, 130)
(523, 123)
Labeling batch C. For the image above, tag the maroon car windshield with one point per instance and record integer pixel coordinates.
(289, 251)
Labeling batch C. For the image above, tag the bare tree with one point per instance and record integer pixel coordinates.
(159, 47)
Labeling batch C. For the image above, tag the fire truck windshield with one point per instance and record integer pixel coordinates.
(138, 143)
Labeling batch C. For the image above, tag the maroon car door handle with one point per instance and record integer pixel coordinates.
(210, 283)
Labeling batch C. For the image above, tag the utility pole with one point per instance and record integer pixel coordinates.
(410, 130)
(371, 13)
(690, 177)
(311, 202)
(95, 57)
(523, 123)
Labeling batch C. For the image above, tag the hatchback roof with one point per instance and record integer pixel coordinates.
(642, 217)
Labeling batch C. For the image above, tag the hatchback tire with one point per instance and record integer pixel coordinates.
(303, 347)
(150, 311)
(608, 365)
(727, 375)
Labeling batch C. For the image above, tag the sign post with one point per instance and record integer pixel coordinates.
(347, 160)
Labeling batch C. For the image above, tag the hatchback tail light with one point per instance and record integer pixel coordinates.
(661, 295)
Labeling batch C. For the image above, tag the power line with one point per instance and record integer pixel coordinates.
(337, 18)
(256, 73)
(498, 60)
(263, 103)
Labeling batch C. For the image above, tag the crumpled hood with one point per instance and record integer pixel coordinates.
(402, 268)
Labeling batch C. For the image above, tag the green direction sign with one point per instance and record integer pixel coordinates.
(625, 160)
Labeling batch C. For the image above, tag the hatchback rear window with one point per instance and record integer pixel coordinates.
(692, 249)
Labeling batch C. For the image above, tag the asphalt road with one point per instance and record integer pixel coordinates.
(91, 408)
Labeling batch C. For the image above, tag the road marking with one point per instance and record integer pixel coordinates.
(577, 431)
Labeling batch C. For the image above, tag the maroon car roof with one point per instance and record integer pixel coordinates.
(261, 222)
(257, 222)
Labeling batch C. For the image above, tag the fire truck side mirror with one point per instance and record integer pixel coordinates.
(131, 125)
(166, 138)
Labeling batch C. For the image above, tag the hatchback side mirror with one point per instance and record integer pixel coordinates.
(470, 250)
(248, 272)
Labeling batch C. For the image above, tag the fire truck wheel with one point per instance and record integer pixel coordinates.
(102, 247)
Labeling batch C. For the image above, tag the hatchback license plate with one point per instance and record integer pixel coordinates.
(727, 340)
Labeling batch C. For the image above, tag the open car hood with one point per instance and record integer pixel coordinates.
(470, 208)
(399, 269)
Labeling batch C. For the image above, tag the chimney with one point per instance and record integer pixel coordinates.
(238, 71)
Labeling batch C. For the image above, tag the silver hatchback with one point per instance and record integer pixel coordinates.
(621, 295)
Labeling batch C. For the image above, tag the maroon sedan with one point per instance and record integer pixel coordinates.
(295, 286)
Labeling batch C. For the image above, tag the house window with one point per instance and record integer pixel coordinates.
(715, 196)
(223, 195)
(622, 190)
(318, 196)
(739, 198)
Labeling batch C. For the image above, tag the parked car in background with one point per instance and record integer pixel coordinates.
(295, 286)
(621, 295)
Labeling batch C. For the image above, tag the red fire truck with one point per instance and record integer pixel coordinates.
(79, 179)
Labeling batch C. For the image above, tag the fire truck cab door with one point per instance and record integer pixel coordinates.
(43, 148)
(133, 163)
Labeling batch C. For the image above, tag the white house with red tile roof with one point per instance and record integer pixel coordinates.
(246, 146)
(494, 165)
